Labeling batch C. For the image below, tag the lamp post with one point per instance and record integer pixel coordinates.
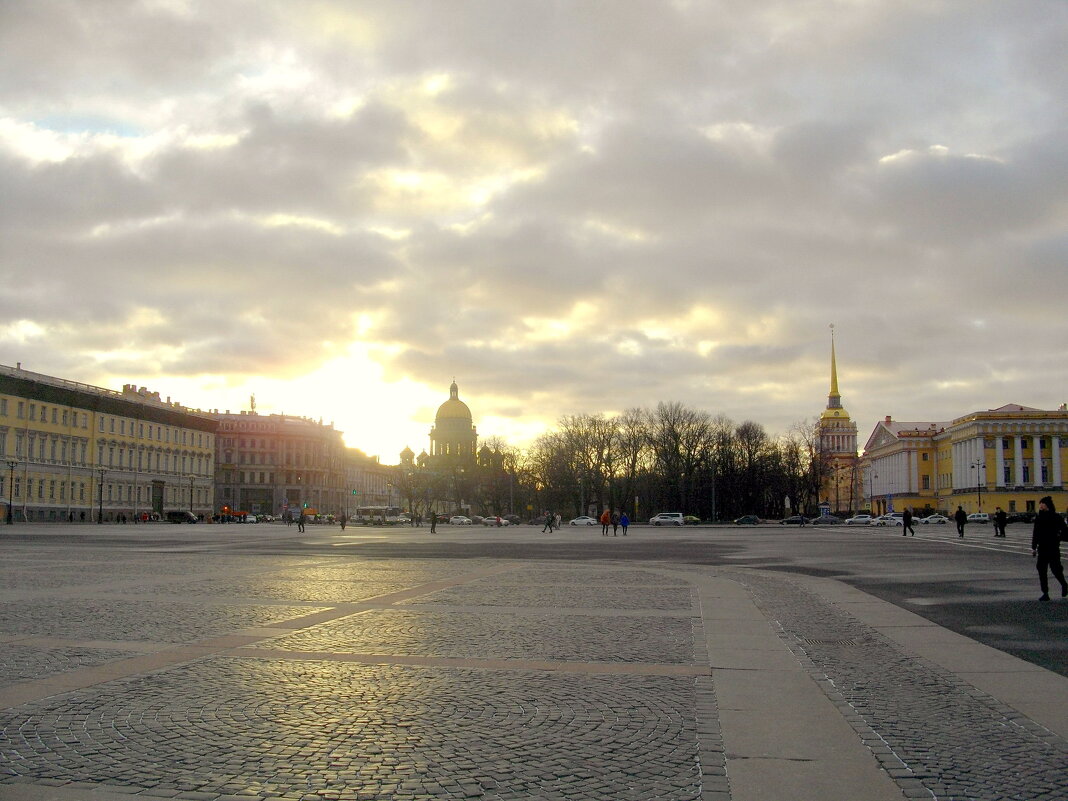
(872, 475)
(191, 495)
(980, 477)
(11, 464)
(100, 510)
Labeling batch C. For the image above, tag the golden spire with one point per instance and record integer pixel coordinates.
(834, 370)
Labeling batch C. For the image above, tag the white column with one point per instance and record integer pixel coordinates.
(1036, 458)
(999, 476)
(1055, 460)
(1018, 461)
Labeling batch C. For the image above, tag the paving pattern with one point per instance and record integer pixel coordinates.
(585, 638)
(314, 679)
(938, 736)
(228, 726)
(22, 662)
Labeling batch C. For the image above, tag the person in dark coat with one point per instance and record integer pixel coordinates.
(961, 517)
(1000, 521)
(1049, 530)
(906, 523)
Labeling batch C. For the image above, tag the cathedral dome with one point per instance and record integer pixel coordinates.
(453, 408)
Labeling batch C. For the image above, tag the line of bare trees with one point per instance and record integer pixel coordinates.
(671, 458)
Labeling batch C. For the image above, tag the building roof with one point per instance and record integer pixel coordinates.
(453, 408)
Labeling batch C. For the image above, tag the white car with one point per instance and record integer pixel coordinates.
(885, 520)
(668, 519)
(939, 520)
(460, 520)
(978, 517)
(495, 521)
(858, 520)
(583, 520)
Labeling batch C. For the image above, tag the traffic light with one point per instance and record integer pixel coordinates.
(304, 505)
(354, 492)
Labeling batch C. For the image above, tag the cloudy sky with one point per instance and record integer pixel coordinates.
(568, 207)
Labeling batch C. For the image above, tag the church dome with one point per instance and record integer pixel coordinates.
(453, 408)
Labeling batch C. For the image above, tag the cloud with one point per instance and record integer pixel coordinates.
(568, 207)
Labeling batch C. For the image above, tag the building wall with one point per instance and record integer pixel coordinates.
(270, 464)
(1007, 457)
(74, 451)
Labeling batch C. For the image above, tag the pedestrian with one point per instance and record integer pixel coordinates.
(1050, 529)
(1000, 521)
(606, 521)
(906, 523)
(615, 523)
(802, 520)
(433, 523)
(624, 521)
(961, 518)
(548, 523)
(556, 521)
(301, 521)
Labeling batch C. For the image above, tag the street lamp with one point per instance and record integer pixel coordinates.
(980, 477)
(12, 464)
(190, 494)
(872, 475)
(100, 511)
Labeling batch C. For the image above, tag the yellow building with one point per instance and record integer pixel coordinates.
(77, 452)
(1007, 457)
(837, 450)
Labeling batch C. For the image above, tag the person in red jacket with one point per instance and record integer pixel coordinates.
(606, 521)
(1049, 530)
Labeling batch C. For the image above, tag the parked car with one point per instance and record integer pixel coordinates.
(460, 520)
(495, 521)
(1021, 517)
(978, 517)
(796, 520)
(747, 520)
(668, 519)
(584, 520)
(885, 520)
(858, 520)
(935, 519)
(513, 519)
(691, 520)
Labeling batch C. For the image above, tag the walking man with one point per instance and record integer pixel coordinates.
(548, 523)
(906, 523)
(1050, 528)
(960, 517)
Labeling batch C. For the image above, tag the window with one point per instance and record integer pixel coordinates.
(65, 417)
(52, 489)
(1030, 506)
(33, 411)
(1045, 473)
(21, 412)
(3, 407)
(54, 418)
(18, 487)
(1027, 474)
(926, 482)
(1008, 472)
(101, 421)
(926, 457)
(40, 488)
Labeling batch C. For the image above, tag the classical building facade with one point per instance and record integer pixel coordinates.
(837, 440)
(1008, 457)
(274, 463)
(73, 451)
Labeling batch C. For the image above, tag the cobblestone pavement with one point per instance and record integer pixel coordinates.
(204, 677)
(937, 735)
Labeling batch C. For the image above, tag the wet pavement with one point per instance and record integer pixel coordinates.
(248, 662)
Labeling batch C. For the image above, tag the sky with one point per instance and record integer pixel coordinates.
(567, 207)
